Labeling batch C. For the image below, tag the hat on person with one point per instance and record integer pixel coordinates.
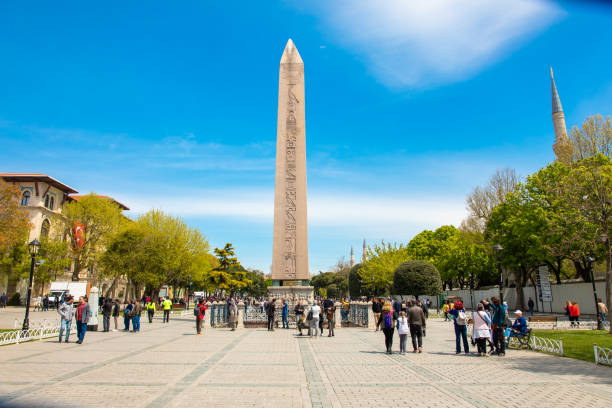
(518, 312)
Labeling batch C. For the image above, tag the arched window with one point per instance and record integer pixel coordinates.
(44, 229)
(25, 198)
(51, 203)
(47, 201)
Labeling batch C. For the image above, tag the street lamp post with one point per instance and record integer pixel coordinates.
(590, 261)
(472, 291)
(34, 246)
(498, 249)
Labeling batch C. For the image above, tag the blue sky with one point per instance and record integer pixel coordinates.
(408, 106)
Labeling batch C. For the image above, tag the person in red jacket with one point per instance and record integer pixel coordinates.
(574, 314)
(201, 307)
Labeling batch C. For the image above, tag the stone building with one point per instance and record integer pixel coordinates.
(42, 197)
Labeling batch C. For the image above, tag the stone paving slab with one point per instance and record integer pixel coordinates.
(167, 365)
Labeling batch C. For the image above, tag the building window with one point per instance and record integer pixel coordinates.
(52, 203)
(44, 229)
(47, 201)
(25, 198)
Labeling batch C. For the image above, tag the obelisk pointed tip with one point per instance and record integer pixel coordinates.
(551, 73)
(291, 54)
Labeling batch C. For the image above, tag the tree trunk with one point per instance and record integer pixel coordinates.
(76, 270)
(582, 271)
(519, 282)
(609, 281)
(112, 287)
(556, 269)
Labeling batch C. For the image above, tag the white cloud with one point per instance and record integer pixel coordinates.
(324, 210)
(419, 43)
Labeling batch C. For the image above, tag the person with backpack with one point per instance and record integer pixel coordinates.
(481, 329)
(199, 310)
(417, 321)
(403, 328)
(116, 314)
(270, 311)
(299, 316)
(285, 313)
(387, 319)
(126, 315)
(460, 323)
(135, 314)
(150, 310)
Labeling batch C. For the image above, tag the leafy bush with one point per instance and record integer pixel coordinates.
(417, 278)
(14, 300)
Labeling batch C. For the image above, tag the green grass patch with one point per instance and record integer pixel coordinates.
(578, 343)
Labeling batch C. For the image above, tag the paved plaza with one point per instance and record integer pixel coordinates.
(169, 366)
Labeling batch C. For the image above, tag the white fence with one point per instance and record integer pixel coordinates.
(547, 345)
(603, 355)
(36, 333)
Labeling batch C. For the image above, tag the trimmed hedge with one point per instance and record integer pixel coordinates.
(417, 278)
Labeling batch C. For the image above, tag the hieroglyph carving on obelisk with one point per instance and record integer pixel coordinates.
(290, 248)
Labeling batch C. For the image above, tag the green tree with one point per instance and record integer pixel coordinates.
(257, 286)
(417, 278)
(355, 285)
(101, 218)
(56, 260)
(228, 275)
(14, 222)
(592, 138)
(377, 272)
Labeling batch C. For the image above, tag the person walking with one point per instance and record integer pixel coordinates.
(575, 314)
(107, 310)
(116, 312)
(498, 326)
(530, 306)
(285, 313)
(167, 306)
(270, 311)
(330, 312)
(387, 321)
(82, 318)
(417, 321)
(233, 314)
(135, 315)
(3, 300)
(376, 310)
(299, 316)
(126, 315)
(460, 324)
(602, 309)
(481, 329)
(45, 303)
(403, 327)
(199, 310)
(66, 311)
(314, 315)
(445, 309)
(346, 307)
(150, 310)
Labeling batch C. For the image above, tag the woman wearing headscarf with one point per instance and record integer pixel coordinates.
(481, 329)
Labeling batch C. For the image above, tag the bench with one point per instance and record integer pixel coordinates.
(521, 339)
(543, 319)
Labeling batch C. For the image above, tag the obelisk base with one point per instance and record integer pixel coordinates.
(292, 294)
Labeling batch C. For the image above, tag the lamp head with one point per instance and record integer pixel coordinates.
(34, 247)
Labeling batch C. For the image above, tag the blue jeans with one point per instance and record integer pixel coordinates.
(461, 332)
(136, 323)
(65, 325)
(603, 317)
(81, 330)
(126, 322)
(285, 322)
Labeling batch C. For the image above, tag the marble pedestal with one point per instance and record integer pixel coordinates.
(292, 294)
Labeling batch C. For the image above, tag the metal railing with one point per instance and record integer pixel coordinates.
(37, 333)
(603, 355)
(546, 345)
(357, 315)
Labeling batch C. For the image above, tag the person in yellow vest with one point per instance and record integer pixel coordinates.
(445, 309)
(150, 309)
(166, 305)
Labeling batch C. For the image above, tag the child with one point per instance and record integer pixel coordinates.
(403, 328)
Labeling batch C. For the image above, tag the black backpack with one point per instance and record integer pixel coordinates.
(196, 311)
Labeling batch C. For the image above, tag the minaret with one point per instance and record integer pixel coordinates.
(352, 257)
(365, 252)
(563, 145)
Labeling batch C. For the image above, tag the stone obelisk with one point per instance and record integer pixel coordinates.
(290, 248)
